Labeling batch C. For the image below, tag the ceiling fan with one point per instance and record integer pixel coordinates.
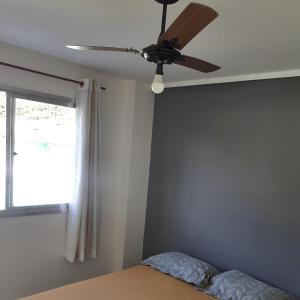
(194, 18)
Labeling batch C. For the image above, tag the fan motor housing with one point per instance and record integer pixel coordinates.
(162, 53)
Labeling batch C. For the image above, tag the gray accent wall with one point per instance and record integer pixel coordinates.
(225, 177)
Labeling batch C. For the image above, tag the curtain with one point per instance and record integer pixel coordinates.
(81, 237)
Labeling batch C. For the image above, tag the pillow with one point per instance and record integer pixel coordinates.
(183, 267)
(235, 285)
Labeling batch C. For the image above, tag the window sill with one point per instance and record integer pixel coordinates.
(34, 210)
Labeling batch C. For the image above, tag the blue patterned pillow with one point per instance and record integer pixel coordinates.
(183, 267)
(235, 285)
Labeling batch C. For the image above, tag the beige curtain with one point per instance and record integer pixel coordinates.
(81, 237)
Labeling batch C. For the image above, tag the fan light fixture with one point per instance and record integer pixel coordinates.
(158, 84)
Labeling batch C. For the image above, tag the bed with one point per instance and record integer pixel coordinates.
(137, 283)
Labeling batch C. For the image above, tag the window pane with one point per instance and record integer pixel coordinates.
(43, 160)
(2, 148)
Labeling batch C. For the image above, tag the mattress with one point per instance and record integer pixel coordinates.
(137, 283)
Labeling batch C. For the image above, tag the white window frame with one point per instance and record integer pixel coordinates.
(11, 95)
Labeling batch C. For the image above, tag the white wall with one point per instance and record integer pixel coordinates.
(140, 144)
(32, 248)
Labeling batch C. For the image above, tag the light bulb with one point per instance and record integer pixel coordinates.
(158, 84)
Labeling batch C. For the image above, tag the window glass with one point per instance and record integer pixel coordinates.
(43, 158)
(2, 148)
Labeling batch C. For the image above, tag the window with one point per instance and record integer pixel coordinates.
(37, 151)
(2, 148)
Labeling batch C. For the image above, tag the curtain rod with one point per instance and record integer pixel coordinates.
(44, 74)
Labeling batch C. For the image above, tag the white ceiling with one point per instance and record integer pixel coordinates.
(249, 36)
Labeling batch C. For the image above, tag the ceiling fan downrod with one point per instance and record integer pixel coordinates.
(163, 19)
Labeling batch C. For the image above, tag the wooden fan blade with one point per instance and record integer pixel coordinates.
(197, 64)
(194, 18)
(100, 48)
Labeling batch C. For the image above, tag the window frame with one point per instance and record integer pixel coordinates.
(11, 95)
